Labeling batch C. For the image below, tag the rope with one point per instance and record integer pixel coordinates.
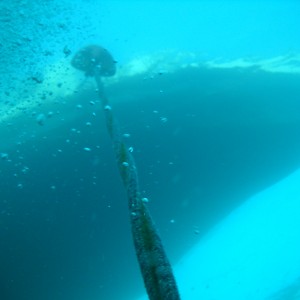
(154, 264)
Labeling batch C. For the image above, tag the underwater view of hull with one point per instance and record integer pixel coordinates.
(205, 138)
(253, 253)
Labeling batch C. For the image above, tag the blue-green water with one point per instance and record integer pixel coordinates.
(204, 139)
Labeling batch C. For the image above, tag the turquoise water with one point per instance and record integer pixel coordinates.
(206, 94)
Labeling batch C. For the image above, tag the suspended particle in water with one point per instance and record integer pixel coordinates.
(196, 230)
(41, 119)
(163, 119)
(130, 149)
(25, 170)
(3, 156)
(37, 77)
(145, 200)
(87, 149)
(67, 52)
(75, 130)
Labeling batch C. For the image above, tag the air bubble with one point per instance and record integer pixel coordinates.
(145, 200)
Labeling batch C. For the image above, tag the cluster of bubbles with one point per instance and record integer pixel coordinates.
(34, 34)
